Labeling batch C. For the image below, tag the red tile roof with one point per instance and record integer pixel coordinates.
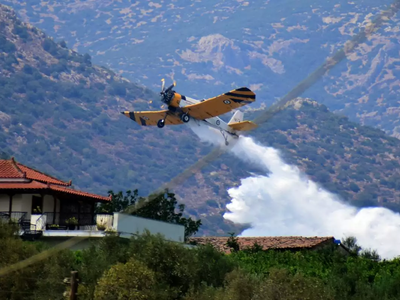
(78, 193)
(36, 180)
(22, 185)
(270, 242)
(39, 176)
(12, 169)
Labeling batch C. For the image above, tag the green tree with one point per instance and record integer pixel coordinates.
(280, 284)
(350, 243)
(233, 242)
(240, 284)
(132, 280)
(182, 269)
(6, 45)
(370, 254)
(42, 280)
(91, 263)
(163, 207)
(354, 187)
(177, 269)
(119, 202)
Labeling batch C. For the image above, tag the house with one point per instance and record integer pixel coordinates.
(47, 207)
(293, 243)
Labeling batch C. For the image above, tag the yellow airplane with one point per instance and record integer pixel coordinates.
(182, 109)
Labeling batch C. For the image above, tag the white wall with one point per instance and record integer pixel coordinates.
(19, 205)
(127, 224)
(106, 220)
(38, 222)
(4, 202)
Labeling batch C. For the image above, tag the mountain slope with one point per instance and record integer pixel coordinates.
(267, 45)
(61, 114)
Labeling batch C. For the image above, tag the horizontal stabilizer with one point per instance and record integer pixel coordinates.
(243, 126)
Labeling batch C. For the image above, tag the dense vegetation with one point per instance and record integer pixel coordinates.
(148, 267)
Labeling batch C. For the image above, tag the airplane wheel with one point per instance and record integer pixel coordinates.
(185, 118)
(226, 143)
(160, 123)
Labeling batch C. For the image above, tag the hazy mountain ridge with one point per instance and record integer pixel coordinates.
(266, 45)
(61, 114)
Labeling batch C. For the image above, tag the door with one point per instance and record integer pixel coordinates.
(37, 205)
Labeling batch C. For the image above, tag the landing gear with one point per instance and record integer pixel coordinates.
(161, 123)
(225, 138)
(185, 118)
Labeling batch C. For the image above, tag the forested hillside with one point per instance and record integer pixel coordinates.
(60, 113)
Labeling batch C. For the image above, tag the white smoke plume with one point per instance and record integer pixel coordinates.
(285, 202)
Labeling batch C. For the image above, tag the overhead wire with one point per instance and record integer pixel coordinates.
(297, 91)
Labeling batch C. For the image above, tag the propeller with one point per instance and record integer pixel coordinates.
(162, 85)
(167, 94)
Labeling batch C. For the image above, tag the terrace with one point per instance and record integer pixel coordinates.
(40, 202)
(45, 206)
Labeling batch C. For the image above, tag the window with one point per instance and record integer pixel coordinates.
(37, 205)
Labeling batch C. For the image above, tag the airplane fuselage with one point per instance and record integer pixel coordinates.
(214, 122)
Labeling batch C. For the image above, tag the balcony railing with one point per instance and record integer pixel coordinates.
(84, 221)
(60, 221)
(16, 216)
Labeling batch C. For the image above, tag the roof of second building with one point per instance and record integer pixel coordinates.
(267, 242)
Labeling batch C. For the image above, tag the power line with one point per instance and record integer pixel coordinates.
(297, 91)
(268, 114)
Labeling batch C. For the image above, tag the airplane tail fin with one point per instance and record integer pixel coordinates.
(237, 123)
(237, 117)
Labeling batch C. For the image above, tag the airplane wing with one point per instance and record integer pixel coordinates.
(150, 118)
(221, 104)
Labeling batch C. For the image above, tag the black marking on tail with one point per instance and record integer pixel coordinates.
(243, 89)
(241, 101)
(241, 95)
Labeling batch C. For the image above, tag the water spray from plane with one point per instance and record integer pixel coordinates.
(285, 202)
